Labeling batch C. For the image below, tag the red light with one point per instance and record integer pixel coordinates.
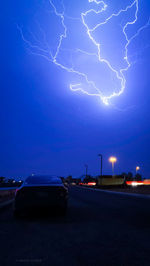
(91, 183)
(88, 184)
(146, 182)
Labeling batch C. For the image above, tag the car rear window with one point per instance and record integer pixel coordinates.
(43, 180)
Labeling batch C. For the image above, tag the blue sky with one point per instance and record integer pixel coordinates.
(47, 128)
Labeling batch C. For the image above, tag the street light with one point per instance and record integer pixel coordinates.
(101, 161)
(112, 160)
(137, 169)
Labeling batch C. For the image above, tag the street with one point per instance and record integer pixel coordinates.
(99, 229)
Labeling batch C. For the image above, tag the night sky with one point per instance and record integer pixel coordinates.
(48, 129)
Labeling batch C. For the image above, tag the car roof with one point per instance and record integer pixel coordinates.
(43, 179)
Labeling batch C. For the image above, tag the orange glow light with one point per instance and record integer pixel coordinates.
(137, 168)
(112, 159)
(145, 182)
(91, 183)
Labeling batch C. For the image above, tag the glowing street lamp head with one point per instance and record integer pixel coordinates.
(137, 168)
(112, 159)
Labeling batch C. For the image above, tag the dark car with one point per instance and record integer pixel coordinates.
(41, 193)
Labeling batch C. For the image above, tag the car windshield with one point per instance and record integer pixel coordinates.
(43, 180)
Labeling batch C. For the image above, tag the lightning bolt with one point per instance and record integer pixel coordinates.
(119, 74)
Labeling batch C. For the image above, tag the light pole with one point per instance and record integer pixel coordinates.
(86, 169)
(137, 169)
(112, 160)
(101, 162)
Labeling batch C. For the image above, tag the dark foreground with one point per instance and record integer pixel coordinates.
(99, 229)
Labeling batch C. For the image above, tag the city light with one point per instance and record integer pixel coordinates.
(137, 169)
(134, 184)
(112, 160)
(145, 182)
(91, 183)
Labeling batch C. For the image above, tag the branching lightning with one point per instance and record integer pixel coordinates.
(119, 74)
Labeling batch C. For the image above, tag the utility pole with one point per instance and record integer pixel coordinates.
(101, 164)
(86, 169)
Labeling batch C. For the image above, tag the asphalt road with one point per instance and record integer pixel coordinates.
(99, 229)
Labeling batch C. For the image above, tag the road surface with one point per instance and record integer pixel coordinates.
(99, 229)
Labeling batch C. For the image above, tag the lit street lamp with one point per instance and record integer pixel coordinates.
(112, 160)
(137, 169)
